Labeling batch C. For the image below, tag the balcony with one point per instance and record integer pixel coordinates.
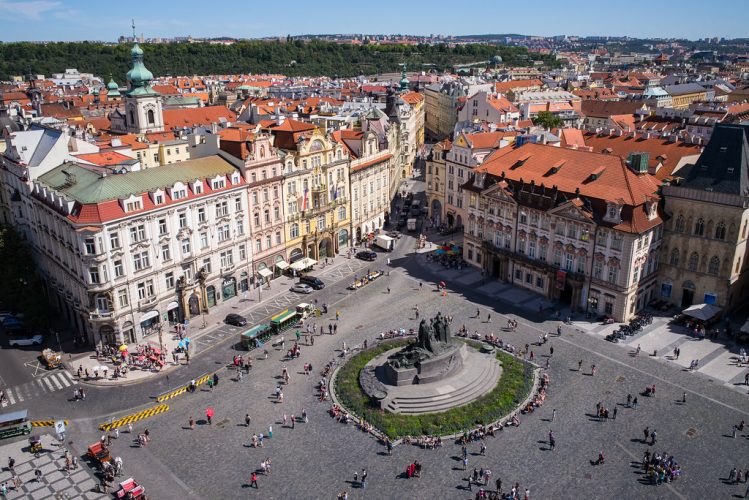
(142, 303)
(100, 315)
(319, 188)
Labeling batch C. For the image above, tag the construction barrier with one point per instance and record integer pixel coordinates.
(181, 390)
(46, 423)
(149, 412)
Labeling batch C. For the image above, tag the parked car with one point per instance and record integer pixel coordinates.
(235, 319)
(25, 340)
(312, 281)
(301, 288)
(366, 255)
(5, 315)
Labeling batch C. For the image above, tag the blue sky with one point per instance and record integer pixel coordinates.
(88, 20)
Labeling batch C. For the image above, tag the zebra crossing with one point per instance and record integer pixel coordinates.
(57, 381)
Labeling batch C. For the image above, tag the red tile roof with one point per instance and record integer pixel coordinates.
(187, 117)
(105, 159)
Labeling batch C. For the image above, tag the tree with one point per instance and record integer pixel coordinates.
(547, 120)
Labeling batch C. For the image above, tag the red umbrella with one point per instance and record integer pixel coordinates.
(209, 412)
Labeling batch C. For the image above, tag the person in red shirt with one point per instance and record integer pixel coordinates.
(253, 480)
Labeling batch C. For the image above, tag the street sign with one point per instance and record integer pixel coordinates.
(60, 427)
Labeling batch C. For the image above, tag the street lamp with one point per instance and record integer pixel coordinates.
(161, 336)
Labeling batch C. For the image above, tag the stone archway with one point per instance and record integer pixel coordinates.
(437, 211)
(343, 238)
(325, 249)
(458, 221)
(295, 255)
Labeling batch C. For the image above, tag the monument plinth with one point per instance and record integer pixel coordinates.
(432, 357)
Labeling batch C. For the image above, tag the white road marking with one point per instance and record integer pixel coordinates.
(19, 395)
(49, 385)
(57, 382)
(11, 399)
(65, 377)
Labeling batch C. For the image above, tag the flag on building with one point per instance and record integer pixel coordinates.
(305, 199)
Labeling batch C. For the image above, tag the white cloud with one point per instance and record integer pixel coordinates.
(30, 10)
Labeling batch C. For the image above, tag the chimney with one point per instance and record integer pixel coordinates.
(280, 119)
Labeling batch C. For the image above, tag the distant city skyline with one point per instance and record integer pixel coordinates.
(68, 20)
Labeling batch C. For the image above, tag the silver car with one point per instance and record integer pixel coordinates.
(25, 341)
(302, 288)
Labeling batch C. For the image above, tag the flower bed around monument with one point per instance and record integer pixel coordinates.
(514, 385)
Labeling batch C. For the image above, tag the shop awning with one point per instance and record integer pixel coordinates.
(149, 315)
(304, 263)
(265, 272)
(172, 305)
(702, 312)
(282, 264)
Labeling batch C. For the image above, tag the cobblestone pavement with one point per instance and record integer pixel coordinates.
(55, 483)
(318, 459)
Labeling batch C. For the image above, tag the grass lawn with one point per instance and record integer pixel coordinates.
(514, 385)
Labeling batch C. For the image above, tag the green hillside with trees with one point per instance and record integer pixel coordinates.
(291, 58)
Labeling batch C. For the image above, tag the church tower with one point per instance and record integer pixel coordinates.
(143, 113)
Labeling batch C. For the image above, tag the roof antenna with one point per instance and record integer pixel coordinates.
(132, 23)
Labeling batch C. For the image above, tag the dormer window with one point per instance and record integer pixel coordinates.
(132, 204)
(178, 191)
(219, 183)
(613, 212)
(235, 178)
(158, 197)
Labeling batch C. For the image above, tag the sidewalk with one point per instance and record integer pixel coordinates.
(195, 330)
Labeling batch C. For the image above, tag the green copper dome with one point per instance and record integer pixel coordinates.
(139, 77)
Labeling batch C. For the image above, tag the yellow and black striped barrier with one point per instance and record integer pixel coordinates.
(149, 412)
(46, 423)
(181, 390)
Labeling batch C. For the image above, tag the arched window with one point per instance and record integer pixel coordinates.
(720, 231)
(679, 224)
(714, 265)
(674, 257)
(699, 227)
(151, 117)
(132, 116)
(694, 260)
(295, 230)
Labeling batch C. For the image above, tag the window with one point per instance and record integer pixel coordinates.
(276, 214)
(342, 213)
(608, 308)
(159, 199)
(227, 259)
(238, 204)
(720, 231)
(674, 259)
(222, 209)
(278, 237)
(242, 253)
(714, 265)
(559, 229)
(182, 220)
(254, 198)
(581, 265)
(532, 249)
(258, 245)
(132, 206)
(201, 214)
(223, 233)
(321, 223)
(122, 299)
(178, 194)
(265, 194)
(90, 246)
(141, 261)
(162, 227)
(207, 265)
(616, 241)
(166, 254)
(198, 188)
(118, 270)
(572, 231)
(186, 247)
(268, 242)
(557, 258)
(636, 276)
(114, 240)
(240, 227)
(523, 218)
(137, 233)
(256, 218)
(597, 269)
(679, 224)
(569, 261)
(543, 249)
(693, 261)
(529, 278)
(266, 216)
(203, 240)
(699, 227)
(613, 274)
(93, 274)
(294, 232)
(539, 282)
(219, 184)
(169, 280)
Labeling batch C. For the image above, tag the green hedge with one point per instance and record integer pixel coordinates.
(514, 385)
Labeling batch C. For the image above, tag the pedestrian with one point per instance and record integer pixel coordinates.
(551, 351)
(38, 475)
(270, 431)
(337, 315)
(363, 478)
(284, 420)
(247, 420)
(684, 397)
(580, 365)
(482, 450)
(465, 462)
(629, 400)
(388, 289)
(553, 414)
(191, 423)
(592, 370)
(253, 480)
(12, 463)
(293, 421)
(421, 286)
(304, 416)
(129, 428)
(634, 403)
(615, 410)
(735, 430)
(646, 433)
(653, 437)
(489, 318)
